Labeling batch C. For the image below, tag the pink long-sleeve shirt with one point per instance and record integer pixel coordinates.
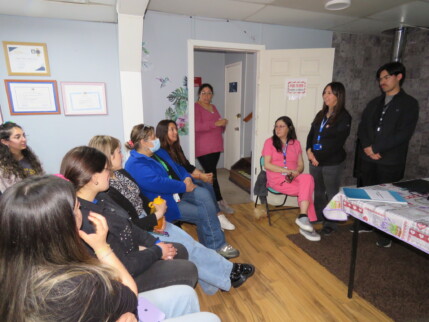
(208, 136)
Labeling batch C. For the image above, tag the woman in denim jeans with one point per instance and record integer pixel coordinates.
(158, 175)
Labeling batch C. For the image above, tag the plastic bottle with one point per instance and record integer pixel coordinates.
(157, 201)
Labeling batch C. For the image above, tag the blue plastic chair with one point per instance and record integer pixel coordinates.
(274, 192)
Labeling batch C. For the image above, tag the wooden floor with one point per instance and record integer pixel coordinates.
(288, 284)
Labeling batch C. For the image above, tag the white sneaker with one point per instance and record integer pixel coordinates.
(225, 223)
(225, 208)
(313, 236)
(304, 224)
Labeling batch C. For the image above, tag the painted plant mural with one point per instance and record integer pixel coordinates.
(178, 111)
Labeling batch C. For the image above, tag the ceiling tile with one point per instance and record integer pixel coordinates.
(358, 8)
(298, 18)
(222, 9)
(415, 13)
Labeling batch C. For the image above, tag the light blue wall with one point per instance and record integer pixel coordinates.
(166, 37)
(78, 52)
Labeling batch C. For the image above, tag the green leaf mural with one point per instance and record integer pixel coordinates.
(178, 112)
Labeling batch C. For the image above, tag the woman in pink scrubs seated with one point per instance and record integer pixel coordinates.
(284, 165)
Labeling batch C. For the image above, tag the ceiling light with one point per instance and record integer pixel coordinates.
(337, 4)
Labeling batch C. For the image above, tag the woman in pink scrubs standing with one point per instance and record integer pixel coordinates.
(209, 127)
(284, 165)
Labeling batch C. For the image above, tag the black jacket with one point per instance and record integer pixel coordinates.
(124, 237)
(332, 139)
(399, 123)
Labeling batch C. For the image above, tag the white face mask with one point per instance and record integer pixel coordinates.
(156, 145)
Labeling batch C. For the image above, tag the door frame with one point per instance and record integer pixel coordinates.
(210, 46)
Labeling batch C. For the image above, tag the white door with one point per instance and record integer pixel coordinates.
(233, 86)
(312, 66)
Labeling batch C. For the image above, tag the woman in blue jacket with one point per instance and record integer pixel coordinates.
(158, 175)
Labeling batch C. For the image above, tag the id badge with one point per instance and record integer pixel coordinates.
(317, 147)
(176, 197)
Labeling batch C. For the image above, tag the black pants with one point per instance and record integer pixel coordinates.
(372, 173)
(162, 273)
(209, 164)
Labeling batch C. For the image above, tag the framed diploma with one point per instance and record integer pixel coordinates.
(26, 58)
(84, 98)
(32, 97)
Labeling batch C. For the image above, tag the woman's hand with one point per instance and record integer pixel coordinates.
(96, 240)
(168, 250)
(189, 184)
(160, 210)
(127, 317)
(221, 122)
(294, 173)
(312, 158)
(207, 177)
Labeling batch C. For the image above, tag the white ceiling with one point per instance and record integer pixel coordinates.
(363, 16)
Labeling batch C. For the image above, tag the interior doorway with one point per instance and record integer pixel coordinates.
(275, 71)
(232, 73)
(233, 103)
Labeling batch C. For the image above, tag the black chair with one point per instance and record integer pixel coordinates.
(274, 192)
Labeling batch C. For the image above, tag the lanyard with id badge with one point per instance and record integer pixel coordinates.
(317, 146)
(288, 176)
(175, 195)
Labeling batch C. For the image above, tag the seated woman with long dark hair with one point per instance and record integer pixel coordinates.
(166, 131)
(147, 259)
(47, 274)
(214, 271)
(284, 164)
(158, 175)
(45, 271)
(17, 160)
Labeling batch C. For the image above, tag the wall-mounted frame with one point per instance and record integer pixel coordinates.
(84, 98)
(32, 97)
(26, 58)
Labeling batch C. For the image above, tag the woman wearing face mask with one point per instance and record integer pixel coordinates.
(158, 175)
(152, 263)
(17, 160)
(214, 271)
(325, 149)
(166, 131)
(209, 127)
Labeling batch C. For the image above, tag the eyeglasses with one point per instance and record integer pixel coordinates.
(280, 126)
(206, 93)
(384, 78)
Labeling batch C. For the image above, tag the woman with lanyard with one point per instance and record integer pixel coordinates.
(325, 149)
(158, 175)
(284, 165)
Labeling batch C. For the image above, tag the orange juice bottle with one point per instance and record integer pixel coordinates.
(157, 201)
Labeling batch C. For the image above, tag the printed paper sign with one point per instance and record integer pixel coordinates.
(296, 88)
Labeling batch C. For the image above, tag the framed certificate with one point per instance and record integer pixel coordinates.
(84, 98)
(26, 58)
(32, 97)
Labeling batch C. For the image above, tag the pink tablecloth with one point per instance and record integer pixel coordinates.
(409, 223)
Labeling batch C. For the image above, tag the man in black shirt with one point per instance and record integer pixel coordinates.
(385, 130)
